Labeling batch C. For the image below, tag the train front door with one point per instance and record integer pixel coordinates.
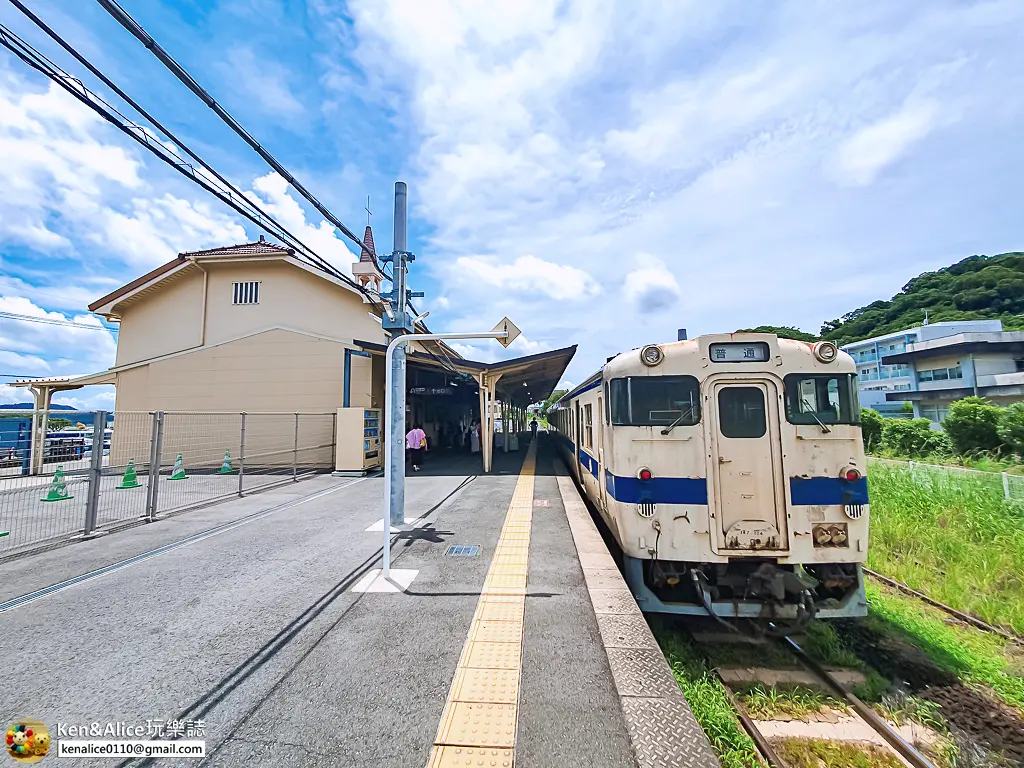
(748, 496)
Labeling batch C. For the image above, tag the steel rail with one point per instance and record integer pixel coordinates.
(764, 746)
(965, 617)
(866, 713)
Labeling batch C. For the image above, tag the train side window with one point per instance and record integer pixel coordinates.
(588, 423)
(650, 401)
(741, 412)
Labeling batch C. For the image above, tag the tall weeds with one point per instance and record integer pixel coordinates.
(953, 537)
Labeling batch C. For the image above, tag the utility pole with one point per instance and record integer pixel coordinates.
(399, 323)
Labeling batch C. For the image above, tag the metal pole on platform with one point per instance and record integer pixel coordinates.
(396, 362)
(394, 503)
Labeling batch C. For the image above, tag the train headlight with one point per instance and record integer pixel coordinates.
(644, 474)
(851, 473)
(838, 533)
(825, 351)
(651, 355)
(831, 535)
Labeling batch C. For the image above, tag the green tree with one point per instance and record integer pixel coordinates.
(57, 423)
(973, 425)
(871, 424)
(1011, 428)
(552, 399)
(913, 438)
(782, 331)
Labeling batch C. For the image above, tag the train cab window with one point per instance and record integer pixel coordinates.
(588, 424)
(741, 412)
(821, 398)
(655, 401)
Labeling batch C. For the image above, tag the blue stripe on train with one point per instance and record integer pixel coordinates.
(659, 490)
(589, 462)
(828, 491)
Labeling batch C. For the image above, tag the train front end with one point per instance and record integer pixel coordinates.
(736, 482)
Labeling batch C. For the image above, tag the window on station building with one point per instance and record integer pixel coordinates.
(650, 401)
(246, 293)
(934, 412)
(941, 374)
(588, 424)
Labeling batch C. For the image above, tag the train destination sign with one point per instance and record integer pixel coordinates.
(430, 391)
(739, 352)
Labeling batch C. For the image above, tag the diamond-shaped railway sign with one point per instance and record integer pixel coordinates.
(506, 325)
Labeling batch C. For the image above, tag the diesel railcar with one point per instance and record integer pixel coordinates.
(730, 469)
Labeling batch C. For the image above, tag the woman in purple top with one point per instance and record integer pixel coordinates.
(416, 442)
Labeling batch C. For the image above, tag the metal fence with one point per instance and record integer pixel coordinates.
(149, 465)
(1012, 485)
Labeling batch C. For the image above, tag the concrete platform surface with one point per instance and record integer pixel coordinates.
(244, 616)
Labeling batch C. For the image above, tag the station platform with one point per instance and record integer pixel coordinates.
(516, 642)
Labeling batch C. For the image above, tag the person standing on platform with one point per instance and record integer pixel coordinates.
(533, 429)
(416, 442)
(474, 439)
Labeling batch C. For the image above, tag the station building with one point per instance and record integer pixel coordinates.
(254, 328)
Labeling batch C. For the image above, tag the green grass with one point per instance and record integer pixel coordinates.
(708, 700)
(972, 655)
(823, 643)
(767, 702)
(955, 538)
(816, 753)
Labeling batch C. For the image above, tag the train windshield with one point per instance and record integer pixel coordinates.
(822, 398)
(654, 401)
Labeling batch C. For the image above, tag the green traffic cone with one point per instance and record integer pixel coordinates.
(130, 479)
(178, 473)
(225, 468)
(58, 487)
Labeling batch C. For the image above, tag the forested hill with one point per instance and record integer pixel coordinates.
(977, 288)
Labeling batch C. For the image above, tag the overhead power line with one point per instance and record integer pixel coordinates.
(54, 321)
(178, 71)
(206, 176)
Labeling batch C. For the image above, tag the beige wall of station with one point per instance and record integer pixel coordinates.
(237, 364)
(170, 318)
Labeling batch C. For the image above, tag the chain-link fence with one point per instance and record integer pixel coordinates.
(68, 489)
(1012, 485)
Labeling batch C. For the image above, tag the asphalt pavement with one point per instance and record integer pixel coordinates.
(242, 615)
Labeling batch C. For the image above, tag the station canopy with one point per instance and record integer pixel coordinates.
(524, 380)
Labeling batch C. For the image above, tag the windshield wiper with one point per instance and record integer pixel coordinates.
(674, 424)
(814, 416)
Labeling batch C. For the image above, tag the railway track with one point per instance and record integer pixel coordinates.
(967, 618)
(910, 754)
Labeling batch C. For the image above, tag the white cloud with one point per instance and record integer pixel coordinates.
(575, 133)
(54, 350)
(526, 274)
(66, 185)
(650, 287)
(274, 196)
(262, 80)
(872, 148)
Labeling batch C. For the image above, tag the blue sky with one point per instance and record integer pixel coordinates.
(603, 173)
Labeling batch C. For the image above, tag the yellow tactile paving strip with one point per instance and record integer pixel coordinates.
(478, 727)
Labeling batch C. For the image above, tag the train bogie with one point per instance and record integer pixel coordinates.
(730, 470)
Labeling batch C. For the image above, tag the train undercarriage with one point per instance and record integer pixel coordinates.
(769, 598)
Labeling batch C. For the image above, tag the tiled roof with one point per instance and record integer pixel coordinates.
(368, 252)
(244, 249)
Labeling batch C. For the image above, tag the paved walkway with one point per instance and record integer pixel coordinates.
(243, 615)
